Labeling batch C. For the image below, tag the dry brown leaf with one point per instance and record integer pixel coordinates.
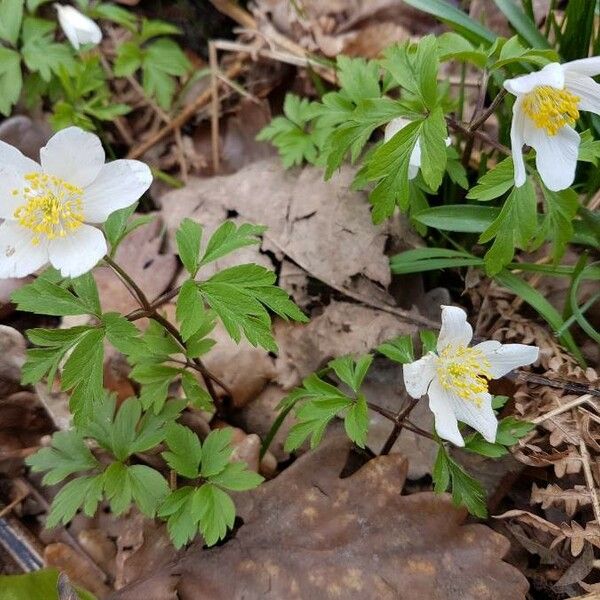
(140, 255)
(554, 495)
(324, 227)
(309, 534)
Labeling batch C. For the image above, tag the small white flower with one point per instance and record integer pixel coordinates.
(46, 209)
(456, 378)
(414, 162)
(547, 106)
(78, 28)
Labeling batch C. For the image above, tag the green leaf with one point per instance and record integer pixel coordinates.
(11, 15)
(123, 428)
(399, 349)
(513, 228)
(456, 18)
(128, 59)
(228, 238)
(83, 492)
(429, 340)
(511, 430)
(463, 218)
(477, 445)
(116, 14)
(452, 46)
(466, 490)
(83, 373)
(216, 512)
(216, 451)
(11, 80)
(185, 451)
(182, 523)
(351, 372)
(163, 60)
(389, 164)
(430, 259)
(86, 290)
(190, 309)
(195, 394)
(433, 148)
(156, 379)
(188, 238)
(148, 488)
(44, 296)
(154, 28)
(356, 422)
(117, 487)
(290, 134)
(523, 25)
(122, 334)
(561, 208)
(240, 295)
(499, 401)
(44, 56)
(68, 454)
(237, 478)
(358, 78)
(494, 183)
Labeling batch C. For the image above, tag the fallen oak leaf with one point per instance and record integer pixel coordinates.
(310, 534)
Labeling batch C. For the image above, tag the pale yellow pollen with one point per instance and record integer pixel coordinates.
(52, 207)
(551, 109)
(464, 371)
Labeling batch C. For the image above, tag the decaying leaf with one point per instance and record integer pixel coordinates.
(324, 227)
(310, 534)
(554, 495)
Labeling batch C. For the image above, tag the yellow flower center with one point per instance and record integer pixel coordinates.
(52, 207)
(464, 371)
(551, 109)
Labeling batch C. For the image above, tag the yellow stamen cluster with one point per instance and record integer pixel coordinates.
(52, 209)
(464, 371)
(551, 109)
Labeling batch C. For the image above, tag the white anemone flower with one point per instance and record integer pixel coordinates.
(414, 162)
(547, 106)
(456, 377)
(47, 209)
(78, 28)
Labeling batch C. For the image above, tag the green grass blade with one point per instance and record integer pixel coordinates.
(456, 18)
(523, 25)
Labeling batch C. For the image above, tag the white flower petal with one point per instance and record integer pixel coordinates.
(393, 127)
(419, 374)
(480, 416)
(74, 155)
(78, 252)
(446, 425)
(503, 358)
(119, 184)
(78, 28)
(13, 166)
(19, 257)
(587, 90)
(584, 66)
(552, 75)
(455, 330)
(517, 129)
(414, 162)
(556, 155)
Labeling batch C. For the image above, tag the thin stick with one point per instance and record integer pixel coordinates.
(561, 409)
(130, 284)
(589, 478)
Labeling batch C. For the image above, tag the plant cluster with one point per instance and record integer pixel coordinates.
(475, 209)
(77, 82)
